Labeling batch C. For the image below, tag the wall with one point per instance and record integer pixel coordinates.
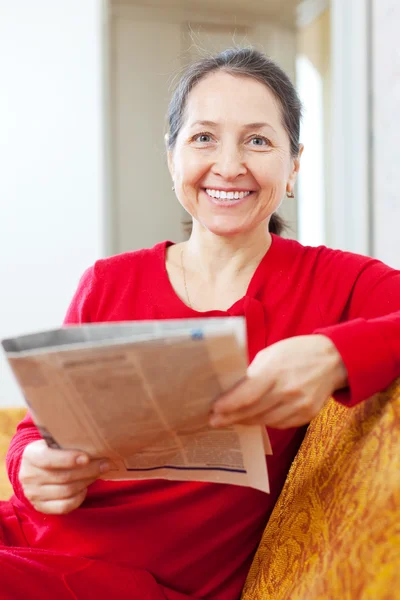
(348, 217)
(314, 86)
(386, 131)
(52, 167)
(313, 40)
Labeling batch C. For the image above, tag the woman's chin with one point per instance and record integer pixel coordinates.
(224, 227)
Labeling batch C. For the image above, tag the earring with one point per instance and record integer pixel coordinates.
(290, 194)
(173, 188)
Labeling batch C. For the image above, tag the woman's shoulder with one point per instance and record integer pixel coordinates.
(119, 272)
(335, 276)
(326, 259)
(119, 264)
(112, 283)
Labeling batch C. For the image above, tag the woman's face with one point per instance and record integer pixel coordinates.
(231, 164)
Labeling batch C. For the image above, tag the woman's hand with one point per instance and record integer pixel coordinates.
(56, 481)
(287, 384)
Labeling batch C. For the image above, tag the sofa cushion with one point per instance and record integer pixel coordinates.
(335, 530)
(9, 418)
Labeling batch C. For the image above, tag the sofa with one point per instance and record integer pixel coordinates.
(9, 417)
(335, 530)
(334, 533)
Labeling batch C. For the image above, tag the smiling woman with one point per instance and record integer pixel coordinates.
(231, 161)
(320, 322)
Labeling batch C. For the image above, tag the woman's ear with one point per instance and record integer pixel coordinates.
(295, 169)
(169, 156)
(170, 163)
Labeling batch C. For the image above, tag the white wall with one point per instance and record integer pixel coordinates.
(313, 66)
(348, 211)
(51, 161)
(386, 128)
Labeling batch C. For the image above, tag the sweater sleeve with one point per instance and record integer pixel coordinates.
(368, 338)
(27, 432)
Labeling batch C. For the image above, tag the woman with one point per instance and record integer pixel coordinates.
(320, 322)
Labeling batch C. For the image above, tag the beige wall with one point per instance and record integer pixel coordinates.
(313, 40)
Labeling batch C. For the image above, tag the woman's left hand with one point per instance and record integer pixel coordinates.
(287, 384)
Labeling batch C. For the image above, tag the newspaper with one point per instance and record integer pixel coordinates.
(140, 394)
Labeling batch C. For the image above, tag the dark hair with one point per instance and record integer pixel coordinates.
(246, 62)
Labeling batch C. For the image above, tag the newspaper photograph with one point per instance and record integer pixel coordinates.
(140, 394)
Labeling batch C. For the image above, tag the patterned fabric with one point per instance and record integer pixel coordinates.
(335, 530)
(9, 419)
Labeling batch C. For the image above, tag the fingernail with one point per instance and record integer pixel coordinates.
(82, 459)
(215, 421)
(105, 466)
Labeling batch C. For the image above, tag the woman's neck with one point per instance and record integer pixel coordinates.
(214, 256)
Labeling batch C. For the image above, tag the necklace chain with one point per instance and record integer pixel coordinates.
(184, 280)
(184, 277)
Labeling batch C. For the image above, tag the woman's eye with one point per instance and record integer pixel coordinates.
(202, 137)
(259, 141)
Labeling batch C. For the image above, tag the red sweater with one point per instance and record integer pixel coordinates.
(200, 538)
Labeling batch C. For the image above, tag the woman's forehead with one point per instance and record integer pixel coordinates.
(222, 96)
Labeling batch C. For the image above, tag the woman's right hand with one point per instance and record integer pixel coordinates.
(55, 481)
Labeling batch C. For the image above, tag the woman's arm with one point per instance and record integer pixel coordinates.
(368, 340)
(289, 382)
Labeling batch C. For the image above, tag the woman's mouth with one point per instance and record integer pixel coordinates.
(227, 195)
(227, 198)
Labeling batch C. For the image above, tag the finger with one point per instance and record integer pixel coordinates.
(259, 414)
(282, 417)
(245, 393)
(238, 416)
(93, 470)
(275, 424)
(261, 405)
(296, 414)
(40, 455)
(46, 493)
(61, 507)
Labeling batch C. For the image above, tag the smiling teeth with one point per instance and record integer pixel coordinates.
(226, 195)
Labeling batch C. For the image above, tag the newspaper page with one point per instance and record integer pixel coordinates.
(140, 394)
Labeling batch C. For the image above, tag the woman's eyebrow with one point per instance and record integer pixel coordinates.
(204, 123)
(246, 126)
(258, 126)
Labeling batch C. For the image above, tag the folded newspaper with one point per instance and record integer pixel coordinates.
(140, 394)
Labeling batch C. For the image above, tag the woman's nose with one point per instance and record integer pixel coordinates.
(229, 163)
